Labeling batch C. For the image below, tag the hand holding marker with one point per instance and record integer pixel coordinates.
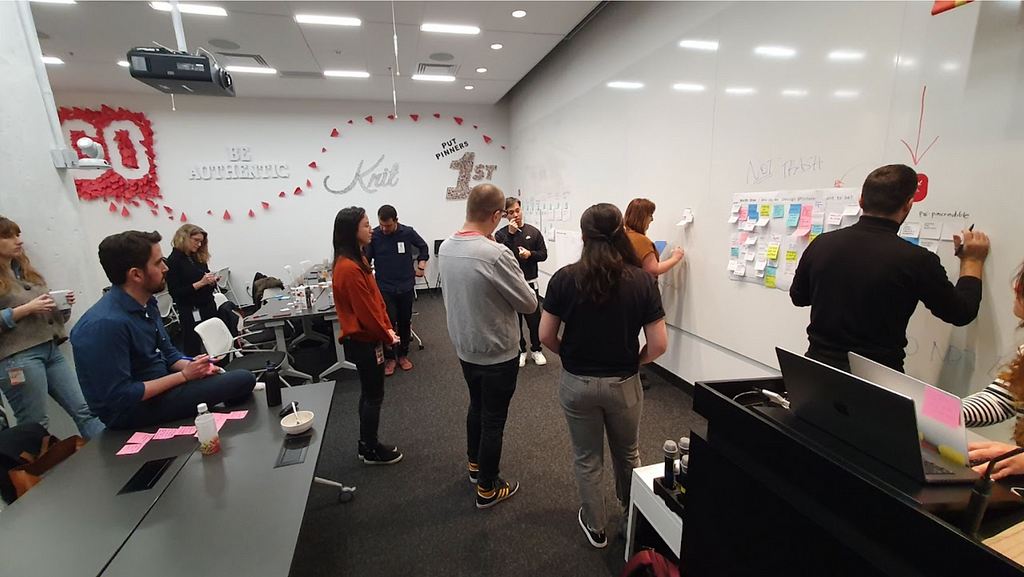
(960, 248)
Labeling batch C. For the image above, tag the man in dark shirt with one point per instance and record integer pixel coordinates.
(131, 374)
(391, 252)
(527, 244)
(864, 282)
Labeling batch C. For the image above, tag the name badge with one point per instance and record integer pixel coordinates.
(379, 352)
(401, 248)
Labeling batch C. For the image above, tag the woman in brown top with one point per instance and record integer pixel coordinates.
(639, 216)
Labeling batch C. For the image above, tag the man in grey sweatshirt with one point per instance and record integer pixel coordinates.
(484, 289)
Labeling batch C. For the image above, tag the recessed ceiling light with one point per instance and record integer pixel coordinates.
(950, 66)
(496, 46)
(433, 78)
(468, 87)
(328, 20)
(739, 90)
(122, 63)
(846, 93)
(449, 28)
(52, 60)
(481, 70)
(627, 85)
(708, 45)
(846, 55)
(795, 92)
(190, 9)
(251, 69)
(684, 87)
(346, 74)
(519, 13)
(775, 51)
(55, 1)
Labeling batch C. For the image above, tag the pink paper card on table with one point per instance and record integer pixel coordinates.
(162, 434)
(220, 419)
(131, 449)
(942, 406)
(234, 415)
(187, 430)
(140, 438)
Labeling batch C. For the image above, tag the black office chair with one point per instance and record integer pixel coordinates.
(437, 247)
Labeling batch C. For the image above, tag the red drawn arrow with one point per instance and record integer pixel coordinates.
(920, 124)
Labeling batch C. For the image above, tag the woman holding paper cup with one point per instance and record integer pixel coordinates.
(639, 216)
(191, 284)
(31, 329)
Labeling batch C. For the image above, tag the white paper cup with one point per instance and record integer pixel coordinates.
(61, 298)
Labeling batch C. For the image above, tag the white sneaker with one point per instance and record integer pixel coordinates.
(522, 360)
(538, 357)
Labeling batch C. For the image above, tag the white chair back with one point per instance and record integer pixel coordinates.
(216, 337)
(219, 299)
(271, 292)
(165, 303)
(306, 266)
(291, 274)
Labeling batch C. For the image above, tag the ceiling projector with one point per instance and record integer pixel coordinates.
(179, 72)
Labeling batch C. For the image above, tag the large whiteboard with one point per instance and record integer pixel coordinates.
(809, 122)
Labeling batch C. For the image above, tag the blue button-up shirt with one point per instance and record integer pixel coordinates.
(118, 344)
(391, 255)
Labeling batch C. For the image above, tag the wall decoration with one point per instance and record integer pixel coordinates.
(132, 174)
(373, 180)
(227, 215)
(451, 146)
(467, 167)
(240, 167)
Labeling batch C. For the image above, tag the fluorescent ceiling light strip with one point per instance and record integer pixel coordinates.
(775, 51)
(846, 93)
(739, 90)
(328, 20)
(448, 28)
(794, 92)
(846, 55)
(251, 69)
(123, 63)
(55, 1)
(708, 45)
(346, 74)
(622, 84)
(190, 9)
(52, 60)
(433, 78)
(684, 87)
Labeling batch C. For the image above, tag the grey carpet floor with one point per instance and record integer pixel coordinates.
(418, 517)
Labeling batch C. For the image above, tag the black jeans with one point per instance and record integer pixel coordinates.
(400, 313)
(181, 401)
(533, 323)
(490, 391)
(191, 344)
(371, 383)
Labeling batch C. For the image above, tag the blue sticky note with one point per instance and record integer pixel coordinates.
(817, 228)
(770, 270)
(778, 211)
(660, 245)
(734, 252)
(794, 215)
(912, 240)
(752, 211)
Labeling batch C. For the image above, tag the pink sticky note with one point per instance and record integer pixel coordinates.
(186, 430)
(220, 419)
(131, 449)
(743, 237)
(162, 434)
(140, 438)
(743, 214)
(942, 406)
(237, 415)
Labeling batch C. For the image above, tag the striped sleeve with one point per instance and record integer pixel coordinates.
(991, 405)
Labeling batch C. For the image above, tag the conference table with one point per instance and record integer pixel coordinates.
(231, 513)
(279, 310)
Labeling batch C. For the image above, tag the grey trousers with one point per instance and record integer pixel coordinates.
(593, 405)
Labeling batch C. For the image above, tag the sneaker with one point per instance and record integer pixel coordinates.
(403, 362)
(522, 360)
(474, 472)
(499, 492)
(597, 539)
(382, 455)
(389, 367)
(538, 357)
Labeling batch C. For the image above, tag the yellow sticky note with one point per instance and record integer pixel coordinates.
(773, 252)
(790, 255)
(769, 280)
(811, 238)
(766, 210)
(952, 454)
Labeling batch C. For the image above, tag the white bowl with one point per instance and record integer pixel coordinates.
(293, 425)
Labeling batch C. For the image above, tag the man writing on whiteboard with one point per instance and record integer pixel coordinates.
(864, 282)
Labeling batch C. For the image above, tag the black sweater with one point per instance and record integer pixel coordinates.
(529, 238)
(863, 284)
(182, 272)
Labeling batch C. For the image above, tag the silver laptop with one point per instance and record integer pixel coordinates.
(879, 422)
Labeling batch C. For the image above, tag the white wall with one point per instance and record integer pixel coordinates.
(37, 196)
(297, 228)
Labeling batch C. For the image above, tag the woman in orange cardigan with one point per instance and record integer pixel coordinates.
(365, 328)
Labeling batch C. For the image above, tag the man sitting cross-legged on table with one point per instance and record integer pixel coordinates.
(130, 373)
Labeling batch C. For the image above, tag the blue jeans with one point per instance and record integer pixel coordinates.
(46, 372)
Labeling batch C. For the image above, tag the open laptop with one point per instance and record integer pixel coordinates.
(939, 413)
(879, 422)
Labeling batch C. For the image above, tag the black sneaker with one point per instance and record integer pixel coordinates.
(499, 492)
(474, 472)
(597, 539)
(382, 455)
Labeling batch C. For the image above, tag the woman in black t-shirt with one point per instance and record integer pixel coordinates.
(191, 284)
(604, 300)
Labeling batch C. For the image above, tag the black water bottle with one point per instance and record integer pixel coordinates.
(309, 298)
(671, 452)
(272, 380)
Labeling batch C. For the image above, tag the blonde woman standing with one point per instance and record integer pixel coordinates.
(191, 284)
